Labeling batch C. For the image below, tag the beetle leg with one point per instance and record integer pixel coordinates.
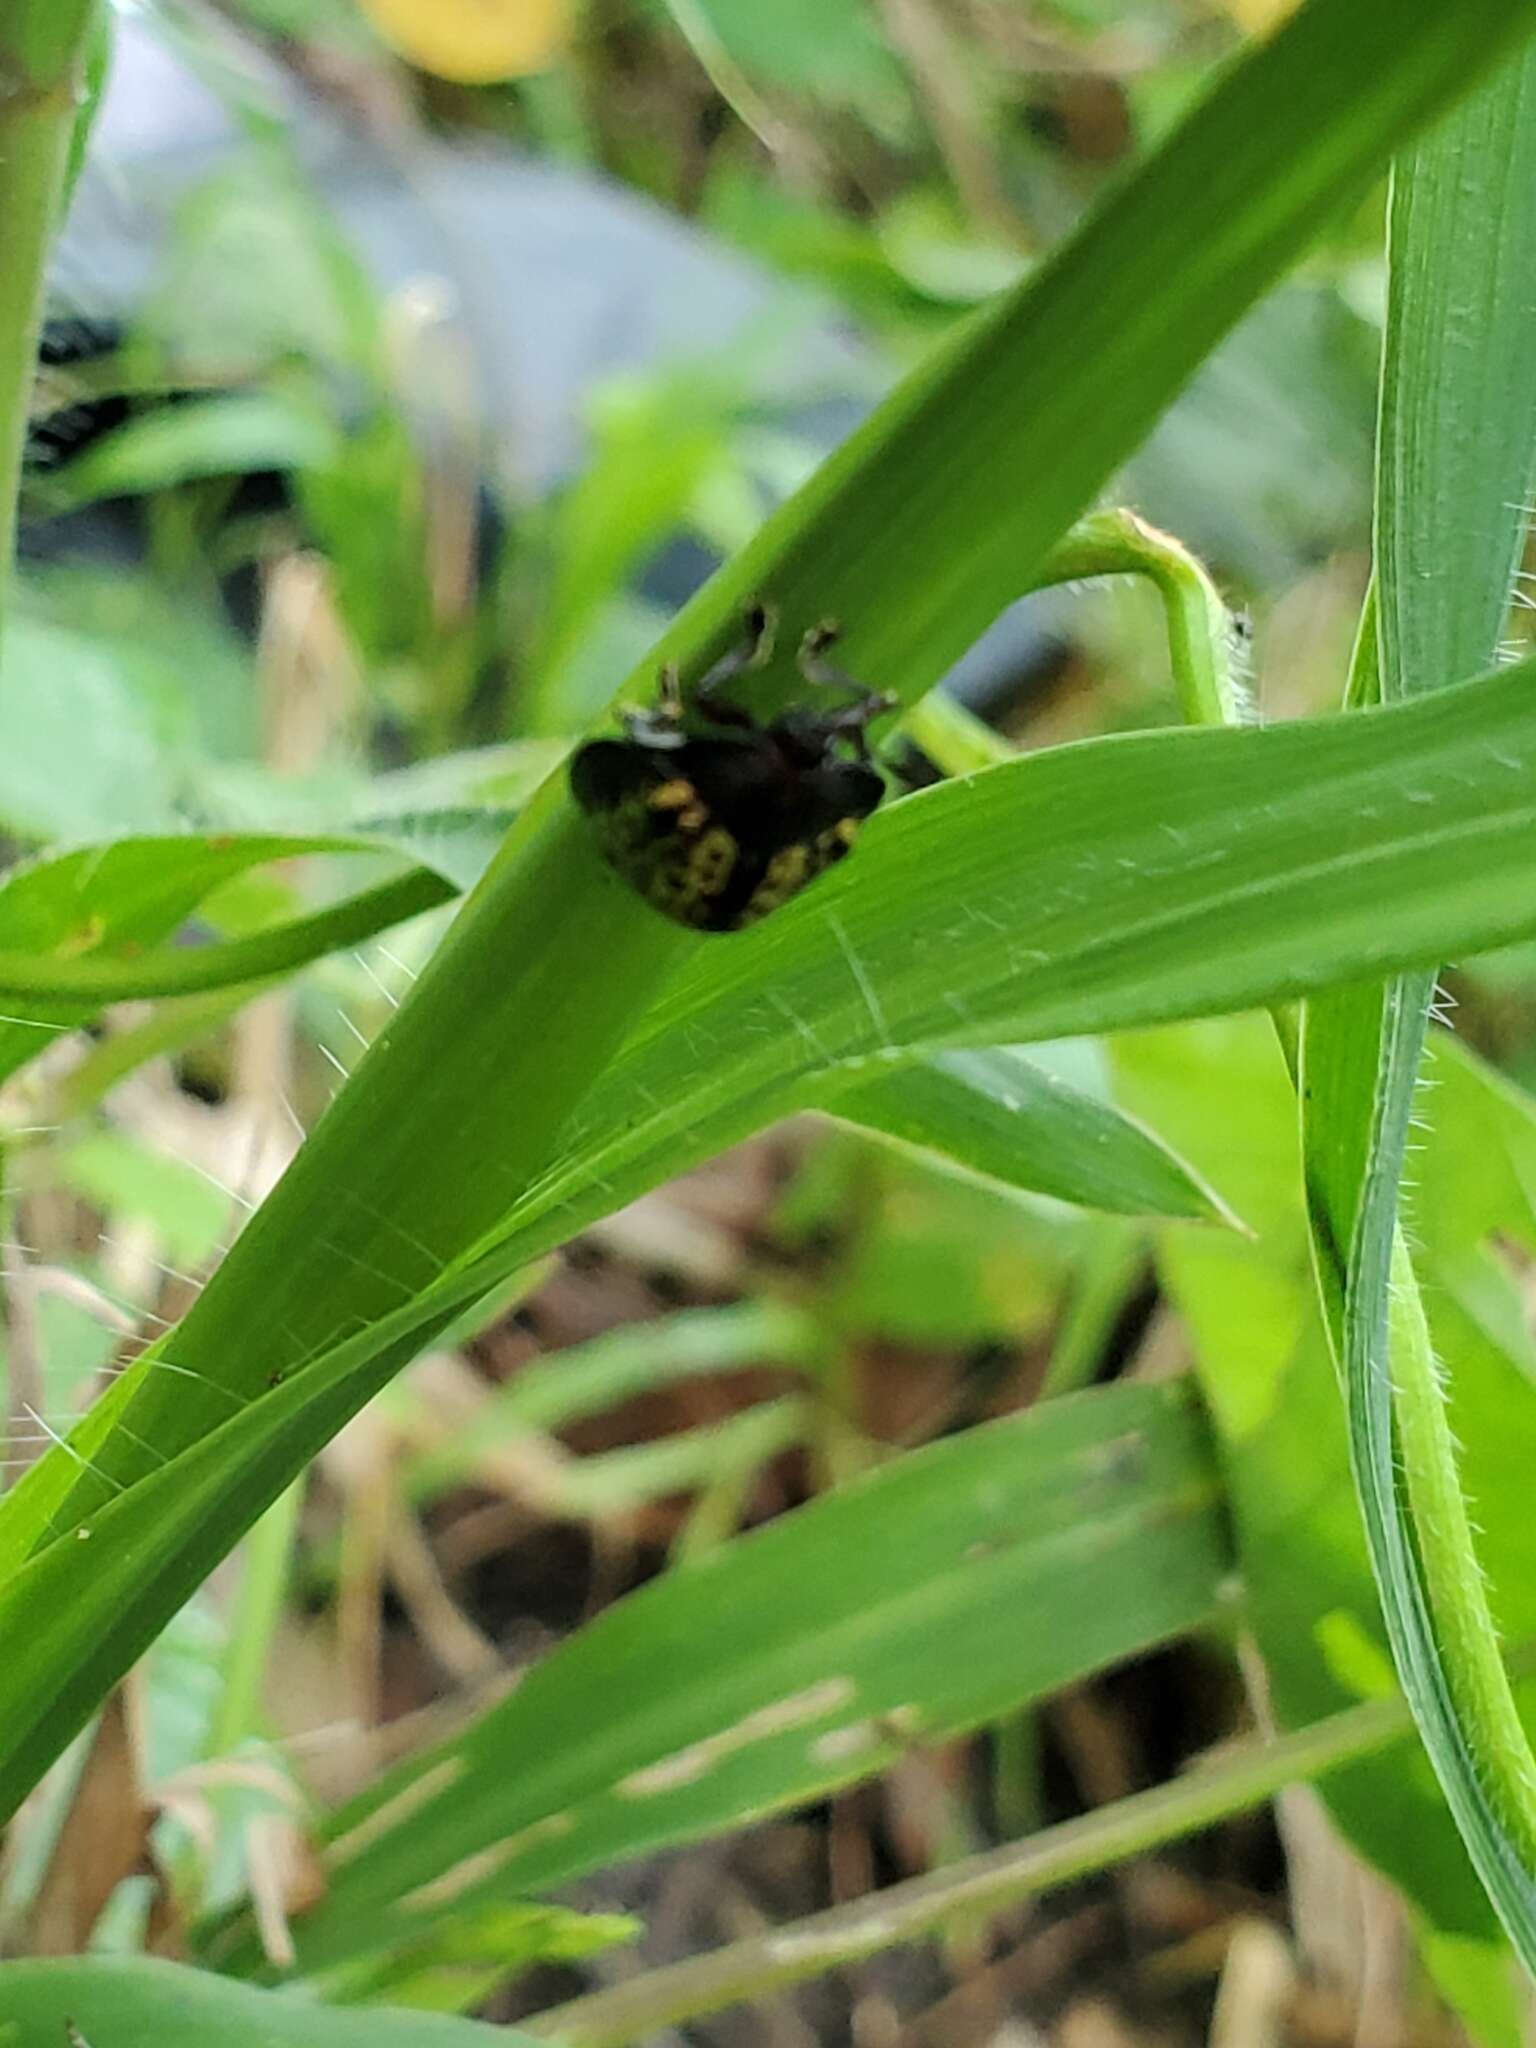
(659, 724)
(754, 650)
(851, 720)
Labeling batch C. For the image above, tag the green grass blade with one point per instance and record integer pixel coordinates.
(44, 46)
(915, 1602)
(46, 984)
(147, 1547)
(82, 928)
(1000, 1115)
(604, 1371)
(1458, 430)
(1223, 1094)
(1030, 413)
(136, 1999)
(232, 435)
(765, 1965)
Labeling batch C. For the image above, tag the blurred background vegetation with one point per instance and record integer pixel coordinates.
(444, 369)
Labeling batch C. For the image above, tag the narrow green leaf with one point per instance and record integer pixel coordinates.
(1002, 1116)
(590, 1378)
(1225, 1095)
(97, 65)
(74, 926)
(1056, 383)
(1458, 431)
(139, 1558)
(111, 2002)
(1293, 840)
(44, 45)
(913, 1603)
(722, 1453)
(763, 1966)
(461, 1960)
(223, 436)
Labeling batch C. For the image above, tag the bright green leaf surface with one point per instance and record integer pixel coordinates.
(462, 1959)
(1000, 1115)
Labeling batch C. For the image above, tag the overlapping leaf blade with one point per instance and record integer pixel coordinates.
(122, 1998)
(918, 1601)
(1005, 1117)
(1458, 431)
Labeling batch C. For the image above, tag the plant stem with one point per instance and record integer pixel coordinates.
(1458, 1596)
(42, 53)
(767, 1964)
(1201, 637)
(1454, 458)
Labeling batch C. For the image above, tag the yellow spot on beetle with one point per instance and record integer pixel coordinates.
(676, 794)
